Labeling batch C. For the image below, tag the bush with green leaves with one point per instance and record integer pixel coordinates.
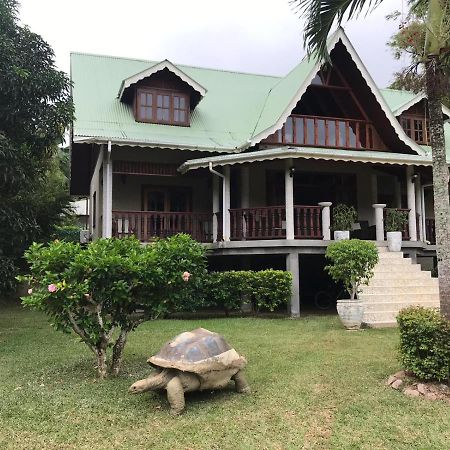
(395, 220)
(352, 263)
(107, 288)
(344, 216)
(425, 343)
(70, 233)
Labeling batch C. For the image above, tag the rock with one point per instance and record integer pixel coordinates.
(400, 374)
(443, 387)
(411, 392)
(422, 388)
(431, 396)
(391, 379)
(396, 384)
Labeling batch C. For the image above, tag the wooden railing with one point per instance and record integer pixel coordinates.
(148, 225)
(269, 222)
(430, 230)
(315, 131)
(308, 222)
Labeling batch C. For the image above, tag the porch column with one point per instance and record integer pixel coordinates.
(226, 204)
(379, 220)
(418, 194)
(107, 193)
(289, 200)
(293, 267)
(326, 220)
(411, 196)
(215, 206)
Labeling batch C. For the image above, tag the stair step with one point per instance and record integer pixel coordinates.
(395, 261)
(414, 288)
(381, 324)
(397, 268)
(397, 275)
(378, 307)
(385, 250)
(381, 283)
(395, 298)
(385, 256)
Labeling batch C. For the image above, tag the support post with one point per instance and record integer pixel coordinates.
(411, 196)
(326, 220)
(398, 193)
(289, 199)
(379, 220)
(107, 193)
(226, 204)
(418, 194)
(293, 267)
(215, 205)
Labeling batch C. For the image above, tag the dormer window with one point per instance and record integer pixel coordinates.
(162, 106)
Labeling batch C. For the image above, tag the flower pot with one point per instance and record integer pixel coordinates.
(341, 235)
(394, 240)
(351, 313)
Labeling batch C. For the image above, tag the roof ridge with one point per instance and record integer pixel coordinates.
(179, 65)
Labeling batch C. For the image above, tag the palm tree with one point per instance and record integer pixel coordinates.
(321, 15)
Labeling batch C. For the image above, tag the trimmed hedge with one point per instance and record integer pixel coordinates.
(264, 290)
(425, 343)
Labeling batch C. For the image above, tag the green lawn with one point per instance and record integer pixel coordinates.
(314, 385)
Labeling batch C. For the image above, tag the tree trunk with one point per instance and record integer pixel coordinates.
(434, 76)
(101, 362)
(118, 352)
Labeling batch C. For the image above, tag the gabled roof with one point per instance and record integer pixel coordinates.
(166, 64)
(239, 110)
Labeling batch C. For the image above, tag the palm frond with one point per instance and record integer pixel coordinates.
(321, 15)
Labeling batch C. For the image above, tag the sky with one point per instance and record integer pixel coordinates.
(258, 36)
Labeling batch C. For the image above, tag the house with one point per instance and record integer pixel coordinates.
(250, 164)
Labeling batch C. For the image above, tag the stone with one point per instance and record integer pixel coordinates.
(396, 384)
(391, 379)
(400, 374)
(411, 392)
(443, 387)
(422, 388)
(431, 396)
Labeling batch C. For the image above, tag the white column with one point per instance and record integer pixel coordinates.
(424, 225)
(418, 194)
(293, 267)
(326, 220)
(289, 199)
(374, 187)
(379, 220)
(107, 193)
(411, 196)
(215, 205)
(226, 204)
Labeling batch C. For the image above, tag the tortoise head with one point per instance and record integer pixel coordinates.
(139, 386)
(158, 380)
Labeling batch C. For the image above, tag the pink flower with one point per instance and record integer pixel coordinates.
(52, 288)
(186, 276)
(30, 291)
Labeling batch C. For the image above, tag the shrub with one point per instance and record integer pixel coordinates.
(344, 217)
(425, 343)
(352, 263)
(111, 284)
(395, 220)
(69, 233)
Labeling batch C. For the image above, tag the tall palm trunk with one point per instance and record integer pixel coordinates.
(440, 183)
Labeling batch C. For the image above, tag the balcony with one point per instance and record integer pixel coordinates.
(328, 132)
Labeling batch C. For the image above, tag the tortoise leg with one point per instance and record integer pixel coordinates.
(241, 383)
(175, 395)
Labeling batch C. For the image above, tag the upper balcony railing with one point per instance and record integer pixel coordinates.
(334, 132)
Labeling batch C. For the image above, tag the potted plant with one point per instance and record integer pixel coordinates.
(344, 217)
(352, 263)
(394, 223)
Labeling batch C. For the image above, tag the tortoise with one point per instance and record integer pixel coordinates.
(193, 360)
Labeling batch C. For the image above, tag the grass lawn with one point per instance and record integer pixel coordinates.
(314, 385)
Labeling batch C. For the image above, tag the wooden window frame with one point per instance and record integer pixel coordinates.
(155, 93)
(146, 188)
(410, 118)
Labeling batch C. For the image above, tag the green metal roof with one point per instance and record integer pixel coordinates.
(236, 108)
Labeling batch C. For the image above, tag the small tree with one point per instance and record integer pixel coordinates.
(395, 220)
(352, 263)
(344, 217)
(110, 285)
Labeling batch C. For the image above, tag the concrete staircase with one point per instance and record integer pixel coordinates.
(396, 284)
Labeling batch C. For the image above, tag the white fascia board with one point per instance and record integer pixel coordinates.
(415, 100)
(334, 39)
(166, 64)
(306, 153)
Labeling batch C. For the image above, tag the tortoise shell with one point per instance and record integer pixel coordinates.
(198, 351)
